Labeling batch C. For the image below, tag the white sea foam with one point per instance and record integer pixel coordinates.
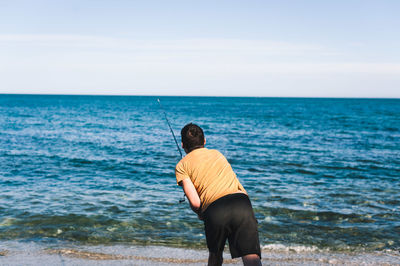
(7, 222)
(290, 248)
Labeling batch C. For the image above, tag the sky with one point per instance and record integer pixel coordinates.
(207, 48)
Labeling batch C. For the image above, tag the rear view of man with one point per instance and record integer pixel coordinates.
(217, 197)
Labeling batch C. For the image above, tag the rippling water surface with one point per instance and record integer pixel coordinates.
(100, 170)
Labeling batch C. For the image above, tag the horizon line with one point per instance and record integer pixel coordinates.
(210, 96)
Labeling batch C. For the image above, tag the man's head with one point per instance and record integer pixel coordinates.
(192, 137)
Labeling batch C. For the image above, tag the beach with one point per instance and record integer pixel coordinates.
(17, 253)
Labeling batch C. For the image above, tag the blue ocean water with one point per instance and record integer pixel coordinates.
(100, 169)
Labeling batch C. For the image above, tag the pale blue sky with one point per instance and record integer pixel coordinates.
(232, 48)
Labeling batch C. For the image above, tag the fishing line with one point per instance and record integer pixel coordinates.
(176, 142)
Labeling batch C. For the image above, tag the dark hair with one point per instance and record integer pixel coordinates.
(192, 137)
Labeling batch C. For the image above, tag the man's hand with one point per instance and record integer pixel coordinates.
(192, 196)
(200, 216)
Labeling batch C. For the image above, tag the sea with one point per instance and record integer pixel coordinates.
(323, 174)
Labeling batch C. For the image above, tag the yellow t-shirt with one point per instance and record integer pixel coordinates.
(210, 173)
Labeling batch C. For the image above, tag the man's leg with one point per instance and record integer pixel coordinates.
(251, 260)
(215, 259)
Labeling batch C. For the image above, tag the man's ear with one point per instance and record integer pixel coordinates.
(182, 145)
(205, 140)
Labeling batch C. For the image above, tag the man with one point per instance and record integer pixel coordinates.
(217, 197)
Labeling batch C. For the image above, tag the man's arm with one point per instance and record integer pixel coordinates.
(191, 194)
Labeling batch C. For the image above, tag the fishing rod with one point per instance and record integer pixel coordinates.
(170, 128)
(176, 142)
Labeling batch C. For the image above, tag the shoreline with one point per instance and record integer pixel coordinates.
(32, 253)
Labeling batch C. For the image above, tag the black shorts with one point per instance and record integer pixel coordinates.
(232, 217)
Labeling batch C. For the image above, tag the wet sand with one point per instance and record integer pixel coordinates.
(15, 253)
